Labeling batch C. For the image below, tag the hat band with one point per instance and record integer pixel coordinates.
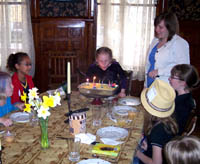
(155, 107)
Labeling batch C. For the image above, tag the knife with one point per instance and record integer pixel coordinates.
(76, 111)
(64, 138)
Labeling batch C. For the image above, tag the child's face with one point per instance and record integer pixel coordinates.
(9, 88)
(25, 66)
(176, 83)
(103, 61)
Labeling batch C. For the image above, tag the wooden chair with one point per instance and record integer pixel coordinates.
(57, 65)
(191, 124)
(128, 74)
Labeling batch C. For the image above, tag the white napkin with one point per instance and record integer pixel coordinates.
(109, 141)
(86, 138)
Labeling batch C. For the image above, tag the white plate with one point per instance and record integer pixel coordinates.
(112, 132)
(21, 117)
(123, 110)
(132, 101)
(93, 161)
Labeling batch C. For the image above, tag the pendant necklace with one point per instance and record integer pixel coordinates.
(24, 86)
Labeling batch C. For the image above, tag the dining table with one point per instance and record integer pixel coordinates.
(26, 148)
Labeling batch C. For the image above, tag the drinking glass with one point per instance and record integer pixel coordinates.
(96, 115)
(74, 149)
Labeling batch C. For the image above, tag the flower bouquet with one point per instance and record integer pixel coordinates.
(41, 108)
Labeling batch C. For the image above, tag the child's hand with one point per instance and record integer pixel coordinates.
(20, 106)
(6, 121)
(122, 93)
(144, 145)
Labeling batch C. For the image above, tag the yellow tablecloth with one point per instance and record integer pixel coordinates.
(26, 147)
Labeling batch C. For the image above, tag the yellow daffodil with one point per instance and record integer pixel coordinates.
(27, 108)
(41, 107)
(48, 101)
(23, 97)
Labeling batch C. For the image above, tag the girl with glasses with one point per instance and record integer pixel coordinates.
(184, 78)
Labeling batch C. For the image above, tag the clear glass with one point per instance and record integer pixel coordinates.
(96, 115)
(74, 149)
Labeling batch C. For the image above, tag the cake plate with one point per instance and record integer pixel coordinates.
(96, 94)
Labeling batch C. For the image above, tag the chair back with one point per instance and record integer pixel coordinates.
(57, 66)
(191, 124)
(128, 74)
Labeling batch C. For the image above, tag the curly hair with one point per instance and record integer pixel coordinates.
(13, 59)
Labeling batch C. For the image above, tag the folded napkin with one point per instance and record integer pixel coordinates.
(109, 141)
(86, 138)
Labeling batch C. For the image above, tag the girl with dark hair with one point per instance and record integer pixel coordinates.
(184, 78)
(20, 64)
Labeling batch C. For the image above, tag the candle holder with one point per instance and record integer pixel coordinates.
(68, 98)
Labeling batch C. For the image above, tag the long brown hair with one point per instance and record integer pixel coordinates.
(150, 121)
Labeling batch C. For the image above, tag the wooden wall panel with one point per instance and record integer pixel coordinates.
(190, 30)
(63, 33)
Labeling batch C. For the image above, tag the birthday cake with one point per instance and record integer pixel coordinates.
(98, 89)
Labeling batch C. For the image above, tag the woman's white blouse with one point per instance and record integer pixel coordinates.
(175, 51)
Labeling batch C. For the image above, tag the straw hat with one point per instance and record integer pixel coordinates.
(158, 99)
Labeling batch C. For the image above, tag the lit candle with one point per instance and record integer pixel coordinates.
(87, 81)
(68, 78)
(94, 84)
(94, 79)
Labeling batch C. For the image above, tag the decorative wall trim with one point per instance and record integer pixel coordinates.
(63, 8)
(185, 9)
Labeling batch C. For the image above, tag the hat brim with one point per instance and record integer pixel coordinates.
(151, 110)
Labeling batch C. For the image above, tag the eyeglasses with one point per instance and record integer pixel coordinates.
(176, 78)
(26, 64)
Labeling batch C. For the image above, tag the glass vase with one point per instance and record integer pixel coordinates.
(44, 133)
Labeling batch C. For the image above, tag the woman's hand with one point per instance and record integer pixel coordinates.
(6, 121)
(122, 93)
(153, 74)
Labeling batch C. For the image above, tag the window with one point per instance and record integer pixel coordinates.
(15, 29)
(126, 26)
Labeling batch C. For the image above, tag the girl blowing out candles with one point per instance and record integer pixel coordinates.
(106, 69)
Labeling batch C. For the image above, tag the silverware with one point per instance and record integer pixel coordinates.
(64, 138)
